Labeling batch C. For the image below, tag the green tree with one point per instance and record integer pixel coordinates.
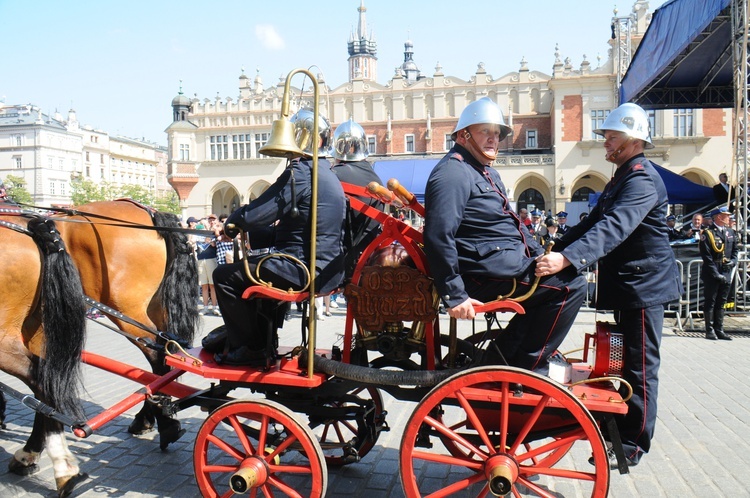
(15, 187)
(85, 191)
(137, 193)
(168, 203)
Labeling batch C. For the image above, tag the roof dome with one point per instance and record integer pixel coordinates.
(181, 100)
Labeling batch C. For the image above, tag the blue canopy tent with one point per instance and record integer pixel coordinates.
(413, 175)
(684, 59)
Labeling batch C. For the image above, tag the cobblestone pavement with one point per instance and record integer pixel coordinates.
(701, 446)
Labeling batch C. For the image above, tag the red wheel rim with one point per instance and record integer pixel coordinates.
(482, 418)
(241, 433)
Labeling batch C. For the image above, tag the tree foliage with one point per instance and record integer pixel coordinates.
(15, 188)
(85, 191)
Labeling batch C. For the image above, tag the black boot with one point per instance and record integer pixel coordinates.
(719, 325)
(708, 317)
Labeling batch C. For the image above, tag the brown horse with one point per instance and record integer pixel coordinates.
(42, 331)
(147, 275)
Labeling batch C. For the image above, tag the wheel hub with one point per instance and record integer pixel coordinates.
(253, 473)
(501, 472)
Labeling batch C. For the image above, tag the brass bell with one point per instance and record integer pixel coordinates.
(282, 142)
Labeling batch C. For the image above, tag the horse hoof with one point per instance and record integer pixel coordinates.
(65, 485)
(170, 436)
(19, 469)
(140, 427)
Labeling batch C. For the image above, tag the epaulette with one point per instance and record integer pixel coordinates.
(638, 167)
(458, 156)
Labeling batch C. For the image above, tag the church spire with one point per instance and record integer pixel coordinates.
(362, 50)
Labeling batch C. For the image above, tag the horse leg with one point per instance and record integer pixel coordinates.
(144, 421)
(24, 461)
(2, 411)
(64, 464)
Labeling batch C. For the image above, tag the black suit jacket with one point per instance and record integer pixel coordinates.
(626, 232)
(470, 228)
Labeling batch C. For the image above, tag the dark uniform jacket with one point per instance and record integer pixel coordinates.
(626, 233)
(719, 256)
(363, 229)
(291, 234)
(470, 228)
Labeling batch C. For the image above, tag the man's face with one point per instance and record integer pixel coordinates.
(481, 140)
(723, 178)
(670, 223)
(523, 213)
(535, 219)
(697, 220)
(614, 140)
(721, 219)
(561, 220)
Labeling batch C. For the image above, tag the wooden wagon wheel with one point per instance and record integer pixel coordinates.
(337, 437)
(243, 447)
(501, 426)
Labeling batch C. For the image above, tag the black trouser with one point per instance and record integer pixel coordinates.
(248, 321)
(641, 329)
(530, 339)
(715, 293)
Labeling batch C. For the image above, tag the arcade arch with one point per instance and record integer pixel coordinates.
(531, 192)
(224, 199)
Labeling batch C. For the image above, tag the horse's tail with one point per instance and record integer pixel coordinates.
(63, 320)
(177, 289)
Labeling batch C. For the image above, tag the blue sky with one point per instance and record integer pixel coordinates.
(119, 64)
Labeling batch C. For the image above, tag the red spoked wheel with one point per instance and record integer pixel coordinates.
(500, 430)
(243, 447)
(339, 438)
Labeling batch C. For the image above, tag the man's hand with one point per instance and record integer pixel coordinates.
(549, 264)
(464, 310)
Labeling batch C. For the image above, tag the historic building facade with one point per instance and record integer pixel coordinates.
(551, 161)
(49, 151)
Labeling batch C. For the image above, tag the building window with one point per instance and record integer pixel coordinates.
(597, 121)
(409, 143)
(87, 156)
(530, 196)
(184, 152)
(19, 140)
(49, 162)
(219, 148)
(683, 122)
(62, 188)
(19, 163)
(52, 188)
(260, 141)
(582, 194)
(74, 164)
(531, 139)
(88, 171)
(241, 146)
(449, 142)
(652, 122)
(372, 145)
(61, 164)
(101, 159)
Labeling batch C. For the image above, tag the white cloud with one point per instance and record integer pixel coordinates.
(269, 37)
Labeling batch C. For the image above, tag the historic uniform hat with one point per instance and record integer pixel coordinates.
(671, 217)
(720, 210)
(537, 213)
(550, 222)
(192, 219)
(562, 214)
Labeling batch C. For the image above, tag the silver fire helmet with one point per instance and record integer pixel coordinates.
(303, 132)
(349, 142)
(630, 119)
(482, 111)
